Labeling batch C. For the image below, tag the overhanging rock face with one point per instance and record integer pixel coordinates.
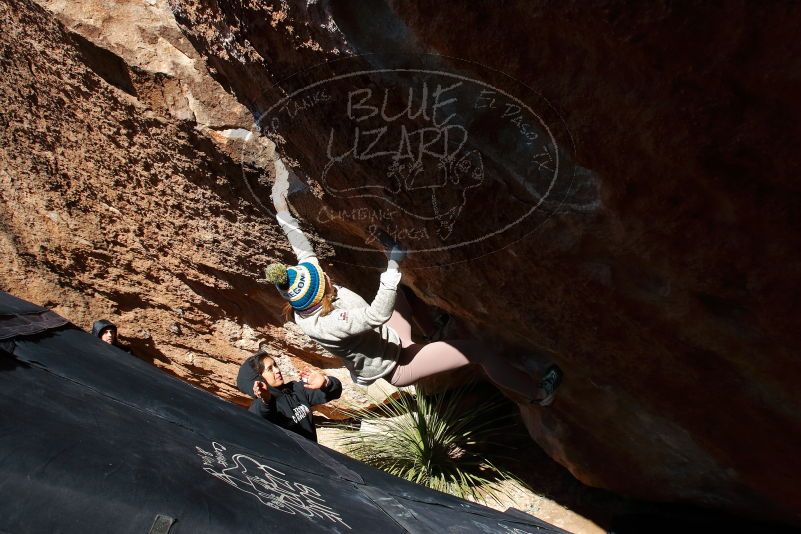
(94, 440)
(663, 278)
(666, 286)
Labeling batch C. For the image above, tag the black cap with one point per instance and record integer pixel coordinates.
(102, 324)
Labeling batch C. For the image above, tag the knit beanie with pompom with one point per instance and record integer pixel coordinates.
(302, 285)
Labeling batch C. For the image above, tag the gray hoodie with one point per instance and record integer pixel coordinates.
(355, 331)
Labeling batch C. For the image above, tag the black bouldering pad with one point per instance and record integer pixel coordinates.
(94, 440)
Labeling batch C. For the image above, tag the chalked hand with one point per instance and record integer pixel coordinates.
(313, 380)
(395, 253)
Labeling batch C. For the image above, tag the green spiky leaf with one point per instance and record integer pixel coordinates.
(430, 440)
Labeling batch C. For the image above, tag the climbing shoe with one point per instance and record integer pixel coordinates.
(443, 322)
(550, 383)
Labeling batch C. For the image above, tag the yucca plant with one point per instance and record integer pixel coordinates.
(432, 440)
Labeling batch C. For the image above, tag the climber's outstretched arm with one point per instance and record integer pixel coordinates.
(297, 239)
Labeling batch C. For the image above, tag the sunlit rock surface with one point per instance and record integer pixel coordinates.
(664, 281)
(660, 271)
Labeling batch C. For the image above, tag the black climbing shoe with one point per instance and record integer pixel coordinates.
(550, 383)
(443, 322)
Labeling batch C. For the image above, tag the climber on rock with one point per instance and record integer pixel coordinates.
(286, 404)
(375, 340)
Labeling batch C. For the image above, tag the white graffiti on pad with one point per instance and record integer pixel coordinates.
(266, 484)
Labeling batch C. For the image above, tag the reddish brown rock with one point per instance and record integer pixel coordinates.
(115, 207)
(662, 277)
(665, 283)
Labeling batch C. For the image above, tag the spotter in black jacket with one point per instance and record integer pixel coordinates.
(290, 405)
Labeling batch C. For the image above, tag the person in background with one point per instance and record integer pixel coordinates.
(107, 332)
(286, 404)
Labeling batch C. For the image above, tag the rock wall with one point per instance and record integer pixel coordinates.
(664, 281)
(660, 271)
(119, 203)
(168, 73)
